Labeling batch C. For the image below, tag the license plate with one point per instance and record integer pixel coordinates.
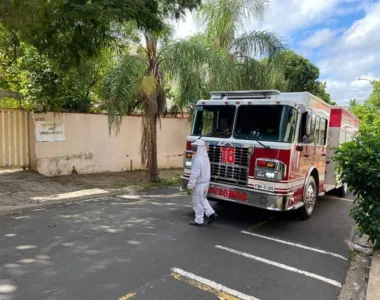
(264, 187)
(227, 194)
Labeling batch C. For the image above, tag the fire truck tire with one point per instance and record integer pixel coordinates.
(342, 191)
(310, 197)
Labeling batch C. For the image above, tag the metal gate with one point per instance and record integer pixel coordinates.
(14, 138)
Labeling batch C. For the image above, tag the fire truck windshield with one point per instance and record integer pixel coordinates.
(275, 123)
(266, 123)
(214, 121)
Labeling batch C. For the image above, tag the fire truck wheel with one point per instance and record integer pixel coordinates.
(342, 191)
(310, 197)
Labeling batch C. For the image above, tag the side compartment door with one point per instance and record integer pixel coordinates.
(320, 156)
(308, 140)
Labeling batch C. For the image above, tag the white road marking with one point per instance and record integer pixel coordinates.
(213, 284)
(337, 198)
(294, 244)
(80, 193)
(282, 266)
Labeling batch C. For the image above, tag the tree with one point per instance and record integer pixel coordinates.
(138, 80)
(30, 78)
(9, 53)
(359, 163)
(302, 75)
(232, 64)
(353, 104)
(69, 30)
(68, 39)
(192, 64)
(369, 111)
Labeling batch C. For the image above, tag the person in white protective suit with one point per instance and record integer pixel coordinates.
(199, 183)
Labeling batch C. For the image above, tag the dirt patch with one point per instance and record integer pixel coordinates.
(20, 188)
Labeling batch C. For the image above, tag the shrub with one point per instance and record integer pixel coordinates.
(358, 162)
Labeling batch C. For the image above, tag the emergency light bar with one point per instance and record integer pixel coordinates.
(260, 94)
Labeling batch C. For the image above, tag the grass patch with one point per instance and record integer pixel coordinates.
(353, 253)
(167, 182)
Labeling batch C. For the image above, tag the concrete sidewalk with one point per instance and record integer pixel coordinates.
(24, 189)
(373, 289)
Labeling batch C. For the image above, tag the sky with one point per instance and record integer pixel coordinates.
(341, 37)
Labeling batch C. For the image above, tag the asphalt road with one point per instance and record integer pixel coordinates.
(143, 248)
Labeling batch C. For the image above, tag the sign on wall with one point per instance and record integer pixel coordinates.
(50, 131)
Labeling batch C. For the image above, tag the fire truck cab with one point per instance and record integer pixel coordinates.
(269, 149)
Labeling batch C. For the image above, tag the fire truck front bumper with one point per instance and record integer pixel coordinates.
(247, 196)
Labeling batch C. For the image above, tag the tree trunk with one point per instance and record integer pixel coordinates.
(154, 176)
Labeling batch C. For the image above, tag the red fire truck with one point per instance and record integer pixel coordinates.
(269, 149)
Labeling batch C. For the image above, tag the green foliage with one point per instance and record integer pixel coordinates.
(29, 76)
(353, 103)
(257, 43)
(9, 53)
(220, 59)
(51, 90)
(137, 81)
(262, 75)
(358, 162)
(121, 87)
(13, 103)
(177, 8)
(69, 30)
(55, 53)
(369, 111)
(224, 18)
(302, 75)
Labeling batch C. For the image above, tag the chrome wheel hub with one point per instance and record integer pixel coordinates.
(310, 198)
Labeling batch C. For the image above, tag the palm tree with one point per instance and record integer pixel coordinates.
(234, 66)
(353, 103)
(196, 65)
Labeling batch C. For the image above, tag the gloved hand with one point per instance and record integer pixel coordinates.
(188, 191)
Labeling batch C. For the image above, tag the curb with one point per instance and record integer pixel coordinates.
(373, 288)
(356, 279)
(131, 190)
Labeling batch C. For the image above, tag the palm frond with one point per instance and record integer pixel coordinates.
(266, 74)
(187, 62)
(199, 69)
(258, 43)
(190, 53)
(223, 74)
(120, 89)
(223, 18)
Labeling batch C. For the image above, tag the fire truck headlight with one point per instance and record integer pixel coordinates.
(272, 170)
